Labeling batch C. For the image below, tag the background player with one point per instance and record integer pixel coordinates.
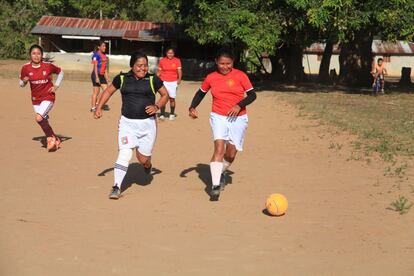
(379, 71)
(137, 126)
(39, 74)
(228, 118)
(170, 72)
(99, 75)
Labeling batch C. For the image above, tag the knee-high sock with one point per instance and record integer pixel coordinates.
(163, 111)
(47, 129)
(172, 110)
(226, 165)
(216, 169)
(121, 166)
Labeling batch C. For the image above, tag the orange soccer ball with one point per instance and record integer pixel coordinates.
(276, 204)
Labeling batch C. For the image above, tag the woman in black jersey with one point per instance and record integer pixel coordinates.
(137, 126)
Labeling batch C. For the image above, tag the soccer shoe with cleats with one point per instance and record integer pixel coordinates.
(148, 170)
(106, 107)
(215, 193)
(115, 193)
(162, 117)
(51, 143)
(172, 117)
(223, 182)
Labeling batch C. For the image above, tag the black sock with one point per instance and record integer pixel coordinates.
(163, 111)
(172, 109)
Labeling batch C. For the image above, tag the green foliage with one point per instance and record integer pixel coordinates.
(400, 205)
(242, 24)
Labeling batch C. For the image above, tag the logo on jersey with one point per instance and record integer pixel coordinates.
(124, 140)
(31, 74)
(44, 73)
(230, 83)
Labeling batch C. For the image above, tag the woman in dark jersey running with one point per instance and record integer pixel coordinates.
(137, 126)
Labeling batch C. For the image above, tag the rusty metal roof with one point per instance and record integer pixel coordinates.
(131, 30)
(379, 47)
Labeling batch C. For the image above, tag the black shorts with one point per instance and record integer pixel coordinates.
(102, 80)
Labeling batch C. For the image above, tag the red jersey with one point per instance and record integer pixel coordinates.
(169, 68)
(40, 80)
(227, 90)
(101, 60)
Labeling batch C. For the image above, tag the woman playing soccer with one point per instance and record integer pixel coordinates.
(169, 70)
(228, 118)
(39, 74)
(137, 126)
(99, 74)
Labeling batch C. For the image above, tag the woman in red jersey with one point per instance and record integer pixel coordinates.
(39, 74)
(228, 118)
(169, 70)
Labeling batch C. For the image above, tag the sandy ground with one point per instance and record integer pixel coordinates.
(56, 218)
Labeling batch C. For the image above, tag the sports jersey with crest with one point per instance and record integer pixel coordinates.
(169, 68)
(227, 90)
(40, 80)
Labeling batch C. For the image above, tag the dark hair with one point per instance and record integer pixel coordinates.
(380, 59)
(135, 56)
(100, 42)
(225, 53)
(169, 48)
(36, 46)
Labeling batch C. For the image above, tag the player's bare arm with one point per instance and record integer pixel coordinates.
(152, 109)
(109, 91)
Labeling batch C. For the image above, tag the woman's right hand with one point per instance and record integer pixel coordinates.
(193, 113)
(97, 80)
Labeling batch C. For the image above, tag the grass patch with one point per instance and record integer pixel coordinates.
(400, 205)
(384, 125)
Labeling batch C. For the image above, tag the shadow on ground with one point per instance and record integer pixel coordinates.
(203, 171)
(43, 140)
(135, 175)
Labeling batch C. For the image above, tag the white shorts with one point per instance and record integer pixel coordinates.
(137, 133)
(230, 129)
(171, 87)
(43, 108)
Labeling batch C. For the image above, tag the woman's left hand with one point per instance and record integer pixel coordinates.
(234, 111)
(151, 109)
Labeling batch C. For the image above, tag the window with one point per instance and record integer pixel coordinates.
(387, 58)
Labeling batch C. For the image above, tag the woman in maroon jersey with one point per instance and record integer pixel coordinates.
(39, 74)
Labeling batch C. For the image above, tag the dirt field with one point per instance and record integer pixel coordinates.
(56, 218)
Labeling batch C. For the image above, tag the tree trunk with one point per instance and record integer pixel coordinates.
(287, 63)
(323, 76)
(355, 60)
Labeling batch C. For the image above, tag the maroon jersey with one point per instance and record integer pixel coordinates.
(40, 80)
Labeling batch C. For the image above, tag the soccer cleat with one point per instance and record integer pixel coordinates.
(172, 117)
(106, 107)
(148, 170)
(215, 193)
(57, 143)
(223, 181)
(51, 142)
(93, 109)
(162, 117)
(115, 193)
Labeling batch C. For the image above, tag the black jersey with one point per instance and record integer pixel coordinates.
(137, 93)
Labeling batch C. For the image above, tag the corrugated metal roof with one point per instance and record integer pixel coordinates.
(58, 25)
(379, 47)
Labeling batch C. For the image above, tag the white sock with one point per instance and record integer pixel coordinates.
(216, 168)
(226, 165)
(121, 166)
